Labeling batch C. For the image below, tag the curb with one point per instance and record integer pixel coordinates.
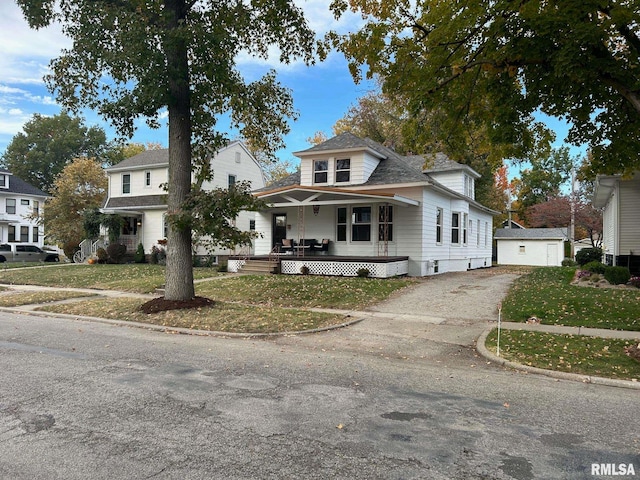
(179, 330)
(573, 377)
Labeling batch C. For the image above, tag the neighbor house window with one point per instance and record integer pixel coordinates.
(439, 216)
(320, 171)
(11, 205)
(486, 234)
(341, 225)
(343, 170)
(12, 233)
(238, 158)
(385, 223)
(252, 225)
(3, 181)
(147, 178)
(24, 201)
(465, 223)
(24, 234)
(478, 232)
(232, 180)
(36, 207)
(521, 249)
(361, 224)
(35, 235)
(455, 228)
(126, 183)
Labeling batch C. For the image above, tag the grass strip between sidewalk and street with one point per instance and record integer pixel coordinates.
(220, 317)
(580, 354)
(16, 299)
(547, 294)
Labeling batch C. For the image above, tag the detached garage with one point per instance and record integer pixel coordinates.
(531, 246)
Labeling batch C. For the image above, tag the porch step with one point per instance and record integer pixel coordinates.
(260, 266)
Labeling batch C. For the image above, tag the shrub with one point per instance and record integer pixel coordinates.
(587, 255)
(304, 270)
(567, 262)
(583, 274)
(635, 282)
(116, 252)
(102, 255)
(595, 267)
(617, 275)
(363, 272)
(139, 256)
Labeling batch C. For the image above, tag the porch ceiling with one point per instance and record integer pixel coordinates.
(297, 196)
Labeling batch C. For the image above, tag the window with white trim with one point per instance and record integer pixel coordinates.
(385, 223)
(439, 217)
(24, 234)
(3, 181)
(465, 223)
(232, 180)
(478, 232)
(36, 207)
(521, 250)
(320, 171)
(126, 183)
(12, 234)
(361, 224)
(455, 228)
(11, 205)
(35, 235)
(147, 178)
(25, 202)
(341, 224)
(343, 170)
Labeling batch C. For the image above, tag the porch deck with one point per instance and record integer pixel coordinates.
(345, 266)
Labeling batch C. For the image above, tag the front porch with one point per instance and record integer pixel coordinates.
(347, 266)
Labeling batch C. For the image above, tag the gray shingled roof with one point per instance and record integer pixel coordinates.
(344, 141)
(144, 159)
(136, 201)
(17, 185)
(531, 233)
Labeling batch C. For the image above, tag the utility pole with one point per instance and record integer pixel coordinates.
(572, 228)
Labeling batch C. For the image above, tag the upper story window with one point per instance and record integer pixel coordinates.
(147, 178)
(232, 180)
(36, 207)
(468, 186)
(343, 170)
(238, 157)
(126, 183)
(11, 205)
(25, 201)
(320, 171)
(4, 181)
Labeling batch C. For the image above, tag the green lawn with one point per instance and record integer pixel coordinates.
(602, 357)
(139, 278)
(547, 294)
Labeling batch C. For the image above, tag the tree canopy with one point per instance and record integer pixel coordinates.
(48, 144)
(499, 61)
(81, 186)
(140, 58)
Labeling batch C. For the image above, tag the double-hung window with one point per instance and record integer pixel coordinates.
(465, 225)
(147, 179)
(439, 217)
(35, 235)
(455, 228)
(341, 225)
(232, 180)
(320, 171)
(126, 183)
(361, 224)
(385, 223)
(24, 234)
(11, 205)
(343, 170)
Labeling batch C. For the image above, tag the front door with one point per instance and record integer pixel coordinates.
(552, 255)
(279, 228)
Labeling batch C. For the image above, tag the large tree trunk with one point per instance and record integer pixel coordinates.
(179, 272)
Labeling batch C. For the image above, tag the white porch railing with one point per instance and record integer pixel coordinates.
(88, 248)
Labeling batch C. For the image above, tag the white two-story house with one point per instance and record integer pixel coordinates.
(370, 204)
(136, 192)
(20, 204)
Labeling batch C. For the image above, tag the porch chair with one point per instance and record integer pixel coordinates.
(287, 245)
(322, 246)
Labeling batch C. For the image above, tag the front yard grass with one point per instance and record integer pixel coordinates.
(221, 317)
(137, 278)
(602, 357)
(547, 293)
(11, 299)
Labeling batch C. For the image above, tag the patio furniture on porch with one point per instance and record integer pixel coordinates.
(322, 246)
(287, 245)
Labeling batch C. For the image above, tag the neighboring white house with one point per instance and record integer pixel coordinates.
(620, 199)
(531, 246)
(19, 200)
(376, 206)
(136, 192)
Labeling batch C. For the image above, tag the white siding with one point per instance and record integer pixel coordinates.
(362, 165)
(20, 217)
(453, 180)
(629, 217)
(530, 252)
(610, 220)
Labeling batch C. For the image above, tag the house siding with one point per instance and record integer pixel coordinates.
(610, 220)
(20, 218)
(629, 217)
(536, 252)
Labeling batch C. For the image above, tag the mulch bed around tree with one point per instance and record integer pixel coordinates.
(162, 305)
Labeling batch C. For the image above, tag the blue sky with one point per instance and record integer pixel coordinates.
(322, 93)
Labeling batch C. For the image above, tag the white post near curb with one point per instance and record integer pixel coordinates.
(499, 325)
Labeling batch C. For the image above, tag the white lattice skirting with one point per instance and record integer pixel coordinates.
(234, 266)
(345, 269)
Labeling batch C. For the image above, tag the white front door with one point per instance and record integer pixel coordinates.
(552, 254)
